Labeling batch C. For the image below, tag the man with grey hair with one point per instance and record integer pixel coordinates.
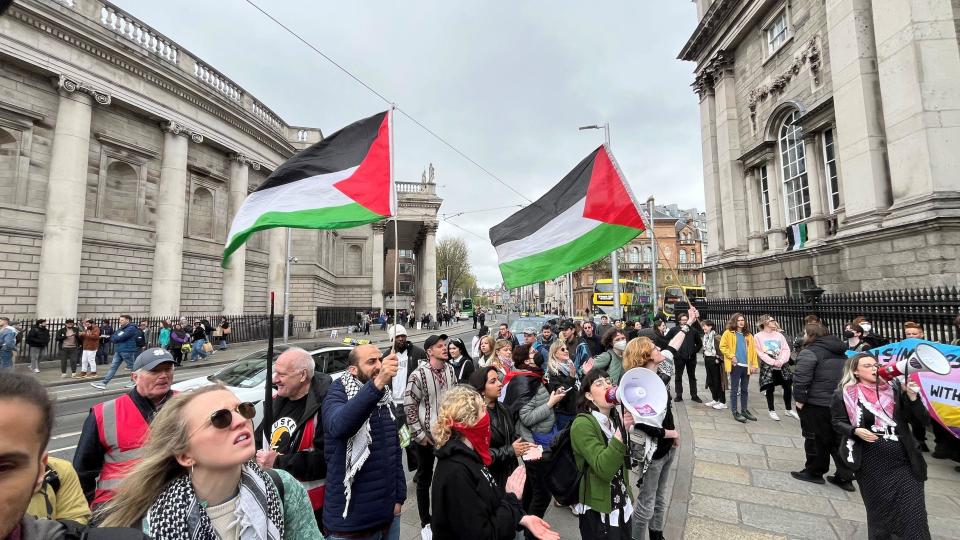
(296, 436)
(115, 430)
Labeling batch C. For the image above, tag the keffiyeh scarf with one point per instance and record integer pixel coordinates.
(179, 514)
(358, 446)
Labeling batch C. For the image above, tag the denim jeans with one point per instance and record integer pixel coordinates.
(392, 534)
(739, 382)
(650, 510)
(197, 351)
(127, 357)
(36, 353)
(6, 360)
(223, 343)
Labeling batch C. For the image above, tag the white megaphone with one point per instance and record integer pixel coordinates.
(643, 394)
(924, 358)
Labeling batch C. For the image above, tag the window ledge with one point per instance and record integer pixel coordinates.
(775, 53)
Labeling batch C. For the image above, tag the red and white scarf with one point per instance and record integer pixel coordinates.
(878, 400)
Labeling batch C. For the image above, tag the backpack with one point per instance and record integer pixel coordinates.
(563, 477)
(141, 339)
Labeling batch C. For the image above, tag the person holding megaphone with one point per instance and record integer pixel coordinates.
(872, 416)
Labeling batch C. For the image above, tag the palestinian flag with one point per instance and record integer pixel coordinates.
(796, 236)
(342, 181)
(585, 217)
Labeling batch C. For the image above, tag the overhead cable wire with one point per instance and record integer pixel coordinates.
(457, 214)
(360, 81)
(447, 220)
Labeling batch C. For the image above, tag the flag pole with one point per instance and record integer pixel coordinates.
(268, 382)
(396, 236)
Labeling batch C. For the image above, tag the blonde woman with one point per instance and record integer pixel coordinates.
(503, 360)
(198, 477)
(562, 374)
(467, 503)
(487, 350)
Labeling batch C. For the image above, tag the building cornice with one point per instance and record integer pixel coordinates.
(126, 145)
(715, 17)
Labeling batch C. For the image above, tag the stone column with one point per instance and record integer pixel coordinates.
(754, 219)
(427, 266)
(276, 264)
(728, 152)
(813, 159)
(860, 129)
(378, 263)
(776, 238)
(708, 133)
(171, 209)
(919, 66)
(235, 274)
(58, 289)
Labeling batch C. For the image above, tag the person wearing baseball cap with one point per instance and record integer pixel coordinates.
(529, 335)
(102, 462)
(409, 356)
(421, 402)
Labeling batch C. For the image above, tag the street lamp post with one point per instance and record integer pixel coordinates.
(654, 258)
(614, 264)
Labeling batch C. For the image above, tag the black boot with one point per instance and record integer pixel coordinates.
(655, 535)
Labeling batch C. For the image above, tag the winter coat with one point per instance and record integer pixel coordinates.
(198, 333)
(380, 483)
(502, 434)
(567, 405)
(467, 503)
(692, 341)
(125, 340)
(62, 336)
(611, 363)
(90, 339)
(728, 348)
(536, 416)
(38, 337)
(178, 338)
(819, 370)
(602, 458)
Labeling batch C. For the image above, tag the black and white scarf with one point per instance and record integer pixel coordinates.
(179, 514)
(358, 446)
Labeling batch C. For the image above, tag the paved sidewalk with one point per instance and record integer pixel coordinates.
(733, 481)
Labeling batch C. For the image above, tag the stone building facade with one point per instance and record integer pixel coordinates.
(834, 124)
(123, 158)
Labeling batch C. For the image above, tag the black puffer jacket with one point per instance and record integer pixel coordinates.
(819, 369)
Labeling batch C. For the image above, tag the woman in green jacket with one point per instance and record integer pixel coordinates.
(597, 436)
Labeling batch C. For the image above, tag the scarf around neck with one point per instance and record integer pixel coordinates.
(358, 446)
(479, 437)
(178, 514)
(879, 403)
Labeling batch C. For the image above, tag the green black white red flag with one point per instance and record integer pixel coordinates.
(342, 181)
(586, 216)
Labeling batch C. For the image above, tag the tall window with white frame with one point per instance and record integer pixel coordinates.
(765, 199)
(830, 164)
(777, 32)
(794, 165)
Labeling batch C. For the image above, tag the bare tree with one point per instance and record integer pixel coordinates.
(452, 256)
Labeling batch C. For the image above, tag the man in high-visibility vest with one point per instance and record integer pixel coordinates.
(115, 430)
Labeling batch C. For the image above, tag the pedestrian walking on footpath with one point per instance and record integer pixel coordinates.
(38, 338)
(125, 349)
(872, 416)
(68, 342)
(163, 339)
(106, 332)
(198, 480)
(366, 487)
(421, 402)
(739, 361)
(115, 430)
(686, 357)
(225, 331)
(178, 339)
(467, 502)
(774, 354)
(819, 369)
(365, 323)
(90, 343)
(713, 364)
(599, 437)
(198, 343)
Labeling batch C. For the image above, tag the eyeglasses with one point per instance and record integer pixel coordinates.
(869, 366)
(602, 381)
(224, 417)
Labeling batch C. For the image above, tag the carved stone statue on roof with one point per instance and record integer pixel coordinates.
(431, 176)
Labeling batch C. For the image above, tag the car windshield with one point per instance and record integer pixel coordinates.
(517, 326)
(246, 373)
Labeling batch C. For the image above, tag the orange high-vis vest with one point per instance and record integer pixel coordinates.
(123, 430)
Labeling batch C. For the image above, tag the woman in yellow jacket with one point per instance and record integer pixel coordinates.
(740, 361)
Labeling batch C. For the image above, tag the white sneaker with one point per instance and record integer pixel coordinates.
(36, 371)
(793, 414)
(426, 533)
(98, 385)
(719, 406)
(773, 414)
(710, 403)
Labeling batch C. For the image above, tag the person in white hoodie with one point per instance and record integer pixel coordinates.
(774, 354)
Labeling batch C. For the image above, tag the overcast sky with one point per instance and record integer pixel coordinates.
(508, 83)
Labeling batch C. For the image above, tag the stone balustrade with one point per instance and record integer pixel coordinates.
(266, 115)
(140, 34)
(417, 187)
(221, 84)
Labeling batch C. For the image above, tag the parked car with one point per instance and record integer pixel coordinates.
(517, 325)
(245, 377)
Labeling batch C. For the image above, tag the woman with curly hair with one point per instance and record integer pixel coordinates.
(198, 480)
(467, 503)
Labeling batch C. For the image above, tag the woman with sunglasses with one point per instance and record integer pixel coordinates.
(562, 375)
(599, 440)
(460, 359)
(197, 478)
(873, 417)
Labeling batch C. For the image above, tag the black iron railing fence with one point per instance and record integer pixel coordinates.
(934, 309)
(243, 328)
(333, 316)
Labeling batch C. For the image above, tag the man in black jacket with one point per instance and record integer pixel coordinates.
(686, 357)
(817, 376)
(37, 339)
(296, 437)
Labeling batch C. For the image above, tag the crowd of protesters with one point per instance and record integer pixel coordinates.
(477, 423)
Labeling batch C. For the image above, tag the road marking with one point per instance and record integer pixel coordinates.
(61, 449)
(65, 435)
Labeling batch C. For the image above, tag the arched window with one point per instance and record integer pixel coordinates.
(794, 165)
(683, 256)
(9, 159)
(120, 192)
(693, 256)
(201, 213)
(647, 254)
(634, 254)
(354, 261)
